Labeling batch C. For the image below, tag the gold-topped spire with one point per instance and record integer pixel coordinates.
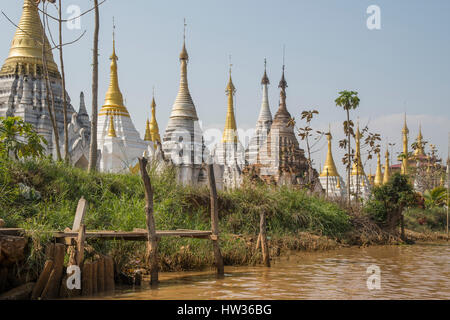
(387, 168)
(230, 131)
(357, 164)
(419, 149)
(111, 130)
(405, 132)
(154, 129)
(148, 135)
(329, 168)
(26, 46)
(378, 181)
(113, 98)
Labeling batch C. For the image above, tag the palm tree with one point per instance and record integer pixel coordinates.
(436, 197)
(348, 100)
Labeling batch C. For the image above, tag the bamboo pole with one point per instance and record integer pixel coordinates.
(215, 220)
(152, 242)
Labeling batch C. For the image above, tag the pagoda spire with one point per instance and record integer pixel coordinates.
(26, 46)
(154, 129)
(378, 181)
(265, 115)
(329, 169)
(405, 132)
(184, 105)
(357, 169)
(114, 99)
(148, 135)
(387, 169)
(419, 149)
(230, 131)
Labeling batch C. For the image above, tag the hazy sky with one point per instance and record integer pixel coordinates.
(404, 67)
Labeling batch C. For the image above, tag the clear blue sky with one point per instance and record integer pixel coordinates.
(404, 67)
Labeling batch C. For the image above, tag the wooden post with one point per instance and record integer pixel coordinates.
(262, 234)
(109, 274)
(79, 215)
(94, 277)
(101, 274)
(86, 279)
(42, 281)
(215, 219)
(80, 245)
(152, 242)
(51, 290)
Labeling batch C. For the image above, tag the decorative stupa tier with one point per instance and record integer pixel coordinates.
(229, 154)
(359, 183)
(262, 125)
(23, 89)
(118, 140)
(183, 139)
(280, 160)
(330, 180)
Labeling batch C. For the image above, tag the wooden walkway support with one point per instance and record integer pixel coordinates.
(215, 220)
(152, 241)
(153, 236)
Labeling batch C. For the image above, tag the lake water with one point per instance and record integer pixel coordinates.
(420, 271)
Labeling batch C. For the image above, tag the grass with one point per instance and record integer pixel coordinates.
(295, 219)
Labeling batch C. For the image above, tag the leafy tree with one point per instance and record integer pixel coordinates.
(305, 133)
(348, 100)
(19, 139)
(388, 201)
(436, 197)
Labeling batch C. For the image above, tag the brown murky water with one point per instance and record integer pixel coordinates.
(420, 271)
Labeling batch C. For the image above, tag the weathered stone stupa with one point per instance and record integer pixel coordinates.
(23, 91)
(280, 160)
(183, 140)
(262, 125)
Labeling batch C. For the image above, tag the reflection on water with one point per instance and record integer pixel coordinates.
(407, 272)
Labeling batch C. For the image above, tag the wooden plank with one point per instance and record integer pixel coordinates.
(101, 274)
(109, 274)
(86, 279)
(134, 236)
(43, 279)
(79, 214)
(51, 290)
(12, 232)
(81, 236)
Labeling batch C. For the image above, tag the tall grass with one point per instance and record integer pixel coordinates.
(116, 202)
